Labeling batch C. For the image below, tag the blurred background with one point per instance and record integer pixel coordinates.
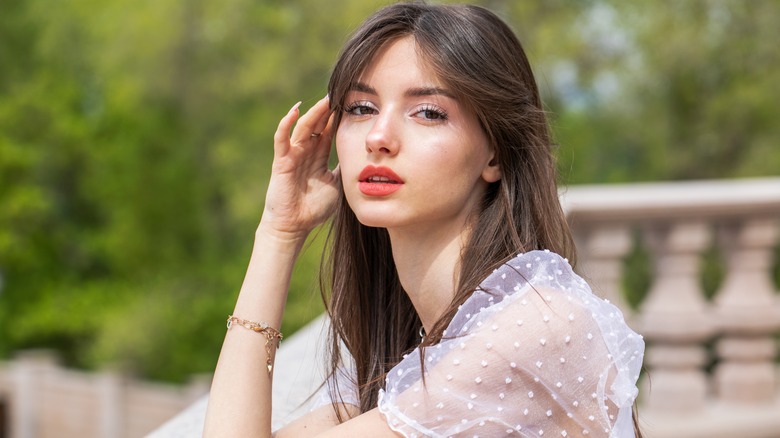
(136, 141)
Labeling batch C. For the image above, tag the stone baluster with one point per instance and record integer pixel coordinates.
(747, 313)
(601, 253)
(110, 386)
(675, 319)
(28, 372)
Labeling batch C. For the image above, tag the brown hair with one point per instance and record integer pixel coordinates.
(476, 54)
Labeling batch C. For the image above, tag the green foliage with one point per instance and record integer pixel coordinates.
(638, 268)
(671, 90)
(135, 143)
(134, 159)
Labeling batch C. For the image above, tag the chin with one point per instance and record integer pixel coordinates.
(370, 215)
(373, 221)
(374, 217)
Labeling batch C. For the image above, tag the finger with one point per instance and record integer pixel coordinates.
(323, 121)
(337, 173)
(325, 140)
(282, 134)
(327, 131)
(307, 125)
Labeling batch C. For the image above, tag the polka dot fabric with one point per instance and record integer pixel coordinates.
(532, 353)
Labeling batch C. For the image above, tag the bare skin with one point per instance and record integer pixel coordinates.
(300, 160)
(426, 242)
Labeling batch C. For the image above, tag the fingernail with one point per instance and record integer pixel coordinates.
(295, 107)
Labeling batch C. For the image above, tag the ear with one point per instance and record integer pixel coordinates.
(492, 171)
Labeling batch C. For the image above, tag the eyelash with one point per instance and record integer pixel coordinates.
(437, 113)
(360, 104)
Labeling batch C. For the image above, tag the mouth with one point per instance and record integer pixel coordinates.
(379, 175)
(379, 181)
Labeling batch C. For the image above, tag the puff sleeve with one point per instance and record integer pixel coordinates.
(340, 387)
(531, 353)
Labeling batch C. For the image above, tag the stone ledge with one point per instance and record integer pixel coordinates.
(717, 419)
(678, 200)
(297, 375)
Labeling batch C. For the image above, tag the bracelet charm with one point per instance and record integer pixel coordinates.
(272, 336)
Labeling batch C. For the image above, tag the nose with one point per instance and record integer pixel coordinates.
(383, 136)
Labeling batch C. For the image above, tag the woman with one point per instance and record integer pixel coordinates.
(456, 322)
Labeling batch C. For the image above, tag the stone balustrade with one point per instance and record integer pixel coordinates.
(711, 364)
(39, 398)
(711, 367)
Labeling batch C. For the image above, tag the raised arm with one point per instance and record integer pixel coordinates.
(301, 195)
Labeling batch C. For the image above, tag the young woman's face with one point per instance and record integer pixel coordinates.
(410, 154)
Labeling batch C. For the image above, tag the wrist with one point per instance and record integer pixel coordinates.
(268, 237)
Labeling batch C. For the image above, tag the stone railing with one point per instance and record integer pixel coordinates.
(41, 399)
(711, 369)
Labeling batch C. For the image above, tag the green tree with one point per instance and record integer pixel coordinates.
(135, 144)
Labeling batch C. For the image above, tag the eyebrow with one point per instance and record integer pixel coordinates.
(411, 92)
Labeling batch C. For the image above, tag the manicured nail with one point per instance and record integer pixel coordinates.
(295, 107)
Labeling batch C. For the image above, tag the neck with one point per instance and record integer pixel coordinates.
(428, 264)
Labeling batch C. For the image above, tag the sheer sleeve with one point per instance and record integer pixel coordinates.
(340, 387)
(531, 353)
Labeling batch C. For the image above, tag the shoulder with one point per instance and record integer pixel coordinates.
(539, 285)
(538, 294)
(531, 346)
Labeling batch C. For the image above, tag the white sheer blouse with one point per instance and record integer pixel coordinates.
(532, 353)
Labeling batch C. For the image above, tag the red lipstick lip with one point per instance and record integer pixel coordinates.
(382, 171)
(389, 184)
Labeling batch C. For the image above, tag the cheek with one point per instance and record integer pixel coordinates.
(339, 139)
(349, 159)
(342, 151)
(349, 141)
(466, 158)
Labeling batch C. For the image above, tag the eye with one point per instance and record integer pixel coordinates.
(431, 113)
(362, 108)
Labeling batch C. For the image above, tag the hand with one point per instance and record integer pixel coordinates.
(302, 192)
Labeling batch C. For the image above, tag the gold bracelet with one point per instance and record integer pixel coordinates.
(270, 333)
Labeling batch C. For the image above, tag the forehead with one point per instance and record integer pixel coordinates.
(400, 61)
